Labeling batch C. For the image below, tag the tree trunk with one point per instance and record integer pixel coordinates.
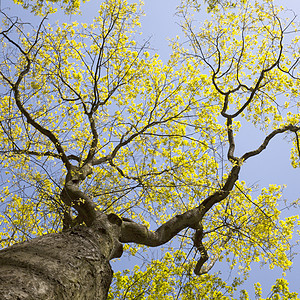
(70, 265)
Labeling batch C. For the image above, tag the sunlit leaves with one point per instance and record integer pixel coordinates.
(41, 7)
(244, 49)
(159, 128)
(162, 278)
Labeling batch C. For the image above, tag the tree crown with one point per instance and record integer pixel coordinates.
(93, 121)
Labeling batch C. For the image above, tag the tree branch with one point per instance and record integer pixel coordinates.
(266, 141)
(199, 269)
(231, 149)
(140, 234)
(17, 96)
(72, 196)
(36, 153)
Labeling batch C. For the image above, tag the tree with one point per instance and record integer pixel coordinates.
(101, 140)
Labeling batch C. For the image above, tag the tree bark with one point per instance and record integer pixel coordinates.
(70, 265)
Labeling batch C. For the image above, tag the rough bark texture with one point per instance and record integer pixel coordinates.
(71, 265)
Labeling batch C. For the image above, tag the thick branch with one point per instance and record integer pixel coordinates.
(140, 234)
(200, 247)
(231, 149)
(265, 143)
(94, 143)
(200, 269)
(220, 195)
(72, 196)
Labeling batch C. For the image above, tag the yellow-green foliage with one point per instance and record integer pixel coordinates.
(178, 154)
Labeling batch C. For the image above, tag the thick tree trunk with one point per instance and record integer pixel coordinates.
(70, 265)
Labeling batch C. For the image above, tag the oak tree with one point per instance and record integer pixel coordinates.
(106, 148)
